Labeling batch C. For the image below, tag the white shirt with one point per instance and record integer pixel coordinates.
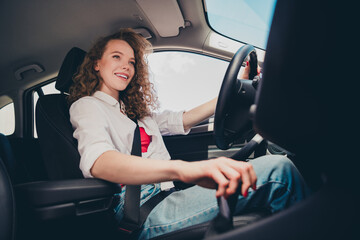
(99, 126)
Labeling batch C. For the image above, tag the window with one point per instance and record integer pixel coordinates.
(7, 119)
(185, 80)
(247, 21)
(47, 89)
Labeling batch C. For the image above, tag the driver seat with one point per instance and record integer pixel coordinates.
(62, 159)
(53, 124)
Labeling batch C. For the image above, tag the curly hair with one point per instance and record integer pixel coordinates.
(139, 97)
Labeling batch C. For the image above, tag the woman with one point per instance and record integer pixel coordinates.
(112, 89)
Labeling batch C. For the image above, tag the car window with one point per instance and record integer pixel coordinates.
(247, 21)
(46, 89)
(185, 80)
(7, 119)
(182, 80)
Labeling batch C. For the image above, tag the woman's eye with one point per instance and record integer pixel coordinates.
(116, 56)
(132, 63)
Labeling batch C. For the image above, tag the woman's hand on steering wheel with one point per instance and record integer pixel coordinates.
(232, 115)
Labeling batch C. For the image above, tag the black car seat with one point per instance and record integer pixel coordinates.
(7, 202)
(303, 105)
(61, 160)
(59, 148)
(7, 205)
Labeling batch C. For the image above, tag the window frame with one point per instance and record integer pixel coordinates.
(28, 103)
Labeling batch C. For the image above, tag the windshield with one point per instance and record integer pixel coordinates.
(247, 21)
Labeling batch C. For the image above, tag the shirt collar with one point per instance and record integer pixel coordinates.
(106, 98)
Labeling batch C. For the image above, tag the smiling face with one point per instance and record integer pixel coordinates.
(116, 67)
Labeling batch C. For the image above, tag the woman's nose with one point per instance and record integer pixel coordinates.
(126, 66)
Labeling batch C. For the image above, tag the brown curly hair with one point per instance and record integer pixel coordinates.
(139, 96)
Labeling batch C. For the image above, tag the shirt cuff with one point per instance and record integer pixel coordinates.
(176, 124)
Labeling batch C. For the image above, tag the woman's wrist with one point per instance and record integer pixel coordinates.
(177, 167)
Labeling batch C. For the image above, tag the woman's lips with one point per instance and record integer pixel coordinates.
(122, 75)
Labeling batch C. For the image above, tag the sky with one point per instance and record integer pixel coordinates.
(185, 80)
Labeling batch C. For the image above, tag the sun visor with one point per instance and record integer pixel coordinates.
(167, 23)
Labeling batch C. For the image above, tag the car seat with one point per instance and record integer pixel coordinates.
(7, 202)
(300, 106)
(58, 146)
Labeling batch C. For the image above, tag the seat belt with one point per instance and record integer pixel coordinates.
(130, 221)
(134, 215)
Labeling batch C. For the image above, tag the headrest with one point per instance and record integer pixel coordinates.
(69, 67)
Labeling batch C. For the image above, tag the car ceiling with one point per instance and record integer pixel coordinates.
(41, 32)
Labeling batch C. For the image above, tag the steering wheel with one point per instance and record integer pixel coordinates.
(232, 116)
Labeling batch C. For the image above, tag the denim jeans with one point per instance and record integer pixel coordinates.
(279, 185)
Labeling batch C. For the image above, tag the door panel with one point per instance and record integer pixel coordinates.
(189, 147)
(199, 144)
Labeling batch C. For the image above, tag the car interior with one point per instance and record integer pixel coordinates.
(43, 193)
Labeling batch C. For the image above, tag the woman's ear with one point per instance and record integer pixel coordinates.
(96, 66)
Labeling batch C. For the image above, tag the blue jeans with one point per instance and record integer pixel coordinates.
(279, 185)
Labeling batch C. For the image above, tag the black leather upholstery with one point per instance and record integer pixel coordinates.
(59, 148)
(290, 108)
(300, 107)
(7, 205)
